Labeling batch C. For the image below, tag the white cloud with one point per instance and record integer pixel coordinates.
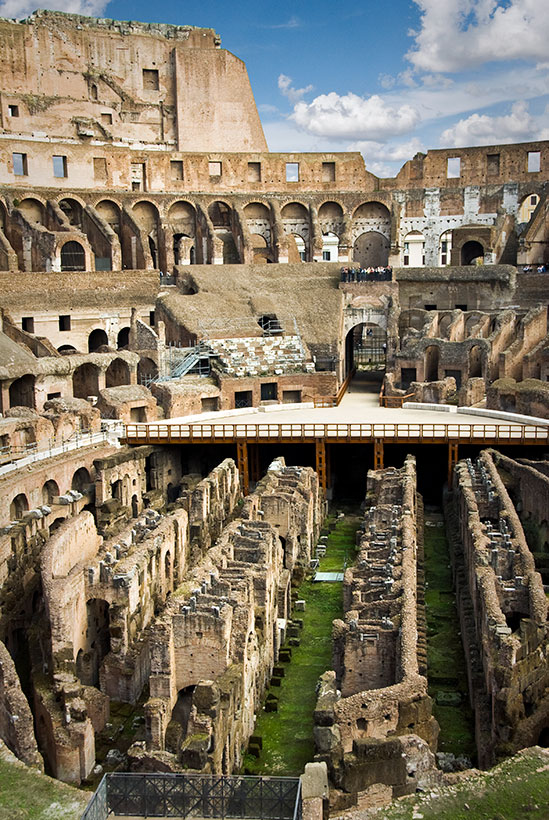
(392, 152)
(22, 8)
(293, 22)
(353, 117)
(482, 129)
(293, 94)
(457, 35)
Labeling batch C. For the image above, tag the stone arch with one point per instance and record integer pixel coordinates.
(471, 251)
(294, 211)
(72, 209)
(147, 369)
(330, 211)
(528, 205)
(19, 505)
(220, 214)
(117, 373)
(258, 223)
(475, 361)
(123, 338)
(98, 636)
(168, 571)
(85, 381)
(257, 210)
(73, 256)
(366, 346)
(443, 325)
(413, 250)
(260, 249)
(97, 338)
(109, 212)
(371, 249)
(66, 350)
(33, 210)
(295, 221)
(444, 248)
(22, 392)
(146, 215)
(431, 362)
(3, 216)
(181, 217)
(372, 210)
(49, 491)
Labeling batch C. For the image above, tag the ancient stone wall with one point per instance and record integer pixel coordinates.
(378, 728)
(509, 610)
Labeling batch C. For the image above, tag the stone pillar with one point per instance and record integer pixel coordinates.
(315, 791)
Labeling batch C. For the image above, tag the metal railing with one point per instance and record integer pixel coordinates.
(194, 795)
(359, 431)
(12, 458)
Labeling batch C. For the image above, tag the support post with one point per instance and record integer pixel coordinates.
(320, 452)
(452, 460)
(378, 454)
(254, 462)
(242, 464)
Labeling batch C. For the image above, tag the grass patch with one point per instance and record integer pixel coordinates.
(287, 734)
(25, 794)
(446, 669)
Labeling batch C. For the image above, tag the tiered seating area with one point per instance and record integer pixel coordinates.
(257, 356)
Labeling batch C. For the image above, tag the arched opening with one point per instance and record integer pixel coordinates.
(472, 253)
(18, 507)
(413, 250)
(527, 208)
(330, 212)
(366, 347)
(220, 214)
(147, 370)
(117, 373)
(66, 350)
(173, 492)
(445, 248)
(123, 338)
(376, 211)
(543, 739)
(73, 211)
(475, 362)
(50, 490)
(135, 506)
(371, 250)
(22, 392)
(300, 252)
(182, 221)
(180, 719)
(81, 481)
(330, 247)
(260, 249)
(117, 490)
(32, 210)
(183, 249)
(73, 257)
(431, 363)
(154, 255)
(85, 381)
(110, 213)
(98, 636)
(97, 338)
(230, 252)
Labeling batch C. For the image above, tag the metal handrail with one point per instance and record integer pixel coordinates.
(516, 433)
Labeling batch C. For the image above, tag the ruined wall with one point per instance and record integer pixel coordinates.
(16, 728)
(384, 712)
(509, 610)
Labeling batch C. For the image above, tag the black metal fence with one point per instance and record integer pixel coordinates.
(186, 795)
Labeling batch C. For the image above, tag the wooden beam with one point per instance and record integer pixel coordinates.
(243, 467)
(452, 460)
(320, 452)
(378, 454)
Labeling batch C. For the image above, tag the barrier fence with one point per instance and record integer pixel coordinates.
(122, 794)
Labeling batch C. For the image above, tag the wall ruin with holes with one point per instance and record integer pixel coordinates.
(509, 609)
(373, 721)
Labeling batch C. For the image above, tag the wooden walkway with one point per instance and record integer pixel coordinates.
(320, 434)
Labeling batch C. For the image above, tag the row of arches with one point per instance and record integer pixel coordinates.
(19, 505)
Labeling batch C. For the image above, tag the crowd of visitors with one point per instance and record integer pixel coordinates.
(378, 274)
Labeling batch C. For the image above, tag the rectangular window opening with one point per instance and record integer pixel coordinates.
(176, 169)
(534, 162)
(13, 110)
(492, 165)
(27, 324)
(106, 118)
(138, 176)
(292, 172)
(453, 168)
(100, 169)
(20, 166)
(326, 256)
(215, 168)
(150, 79)
(269, 391)
(59, 166)
(328, 171)
(64, 323)
(152, 318)
(254, 172)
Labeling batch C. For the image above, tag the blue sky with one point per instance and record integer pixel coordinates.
(388, 79)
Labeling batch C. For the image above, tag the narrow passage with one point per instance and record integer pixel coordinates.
(286, 736)
(446, 670)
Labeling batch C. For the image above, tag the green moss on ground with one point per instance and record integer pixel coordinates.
(287, 734)
(517, 789)
(446, 670)
(25, 794)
